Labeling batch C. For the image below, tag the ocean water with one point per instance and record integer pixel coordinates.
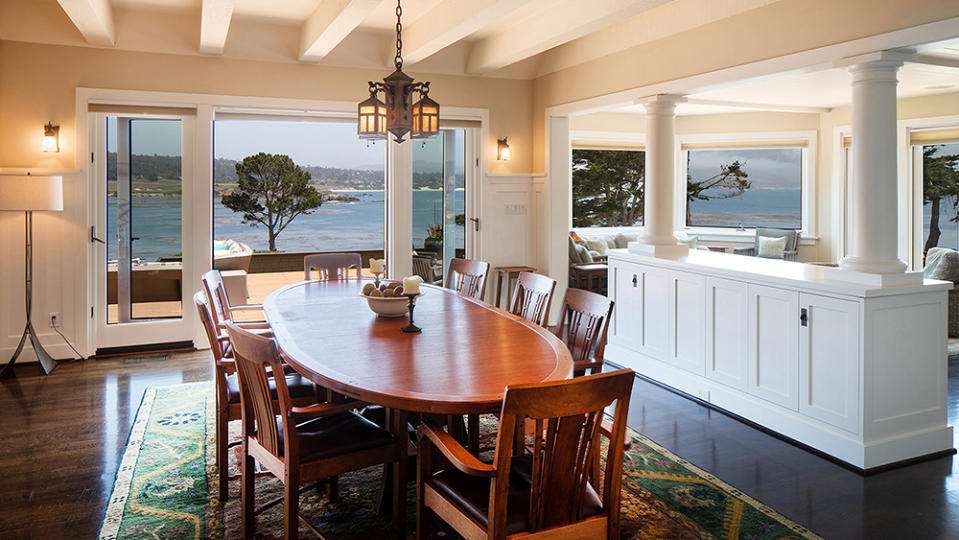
(781, 208)
(333, 227)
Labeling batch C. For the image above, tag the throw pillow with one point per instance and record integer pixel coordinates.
(597, 245)
(771, 248)
(576, 238)
(622, 240)
(583, 253)
(574, 257)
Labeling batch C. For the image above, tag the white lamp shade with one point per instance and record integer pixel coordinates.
(23, 192)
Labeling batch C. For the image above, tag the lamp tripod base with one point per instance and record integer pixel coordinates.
(47, 362)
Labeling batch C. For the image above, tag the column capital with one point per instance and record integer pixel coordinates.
(660, 103)
(882, 65)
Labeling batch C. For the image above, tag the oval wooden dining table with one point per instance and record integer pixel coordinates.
(461, 362)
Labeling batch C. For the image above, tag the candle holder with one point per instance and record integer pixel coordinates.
(377, 275)
(411, 328)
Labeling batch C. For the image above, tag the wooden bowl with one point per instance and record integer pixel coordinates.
(389, 306)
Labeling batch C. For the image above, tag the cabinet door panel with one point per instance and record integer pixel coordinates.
(627, 293)
(829, 361)
(726, 332)
(773, 345)
(687, 314)
(655, 313)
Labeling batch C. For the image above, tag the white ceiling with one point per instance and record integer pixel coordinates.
(824, 89)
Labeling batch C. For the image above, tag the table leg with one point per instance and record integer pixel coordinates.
(398, 421)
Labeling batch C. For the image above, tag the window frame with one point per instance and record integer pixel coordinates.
(808, 230)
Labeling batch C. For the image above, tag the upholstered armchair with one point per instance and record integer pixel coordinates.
(943, 263)
(791, 252)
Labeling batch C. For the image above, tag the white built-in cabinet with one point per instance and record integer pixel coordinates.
(790, 356)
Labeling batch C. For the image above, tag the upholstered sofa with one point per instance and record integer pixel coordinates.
(943, 263)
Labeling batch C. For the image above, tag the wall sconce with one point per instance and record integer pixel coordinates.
(51, 138)
(502, 149)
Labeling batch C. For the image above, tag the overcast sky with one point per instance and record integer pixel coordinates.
(767, 168)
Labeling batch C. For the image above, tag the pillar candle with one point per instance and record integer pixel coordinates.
(376, 265)
(411, 285)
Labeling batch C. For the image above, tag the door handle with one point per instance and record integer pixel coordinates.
(635, 281)
(803, 317)
(475, 223)
(93, 235)
(132, 238)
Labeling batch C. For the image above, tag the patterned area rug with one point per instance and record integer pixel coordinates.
(166, 488)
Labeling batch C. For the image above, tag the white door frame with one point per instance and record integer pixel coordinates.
(200, 217)
(146, 331)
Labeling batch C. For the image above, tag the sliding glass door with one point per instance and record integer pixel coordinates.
(142, 169)
(441, 219)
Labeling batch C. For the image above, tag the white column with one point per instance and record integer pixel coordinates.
(873, 240)
(558, 215)
(658, 238)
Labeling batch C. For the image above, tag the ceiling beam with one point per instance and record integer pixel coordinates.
(936, 60)
(564, 21)
(93, 18)
(215, 19)
(332, 21)
(450, 21)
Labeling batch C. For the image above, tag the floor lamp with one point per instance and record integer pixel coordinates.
(28, 194)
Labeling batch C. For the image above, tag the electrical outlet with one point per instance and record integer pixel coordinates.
(54, 319)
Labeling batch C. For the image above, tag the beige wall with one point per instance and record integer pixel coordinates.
(704, 123)
(38, 84)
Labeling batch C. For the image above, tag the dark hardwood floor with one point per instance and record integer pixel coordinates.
(63, 435)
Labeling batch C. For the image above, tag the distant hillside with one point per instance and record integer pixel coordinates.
(155, 168)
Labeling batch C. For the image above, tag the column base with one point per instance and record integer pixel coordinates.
(663, 251)
(893, 279)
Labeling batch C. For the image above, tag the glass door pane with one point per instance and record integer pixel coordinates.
(144, 219)
(940, 210)
(439, 203)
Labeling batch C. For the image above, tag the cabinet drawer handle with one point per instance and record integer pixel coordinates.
(803, 317)
(635, 281)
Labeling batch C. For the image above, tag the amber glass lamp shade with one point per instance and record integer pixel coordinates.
(372, 119)
(426, 118)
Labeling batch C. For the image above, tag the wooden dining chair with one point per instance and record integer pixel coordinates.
(332, 266)
(467, 277)
(543, 494)
(227, 390)
(583, 325)
(532, 297)
(302, 444)
(222, 310)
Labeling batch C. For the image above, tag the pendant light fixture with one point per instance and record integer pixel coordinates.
(398, 116)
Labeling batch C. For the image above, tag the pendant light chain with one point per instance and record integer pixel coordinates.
(398, 60)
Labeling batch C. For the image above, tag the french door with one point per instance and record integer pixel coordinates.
(444, 219)
(145, 275)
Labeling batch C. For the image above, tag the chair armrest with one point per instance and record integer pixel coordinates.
(791, 255)
(325, 409)
(588, 364)
(454, 452)
(246, 307)
(748, 251)
(253, 325)
(606, 429)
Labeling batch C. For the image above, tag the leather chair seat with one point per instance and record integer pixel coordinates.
(335, 435)
(471, 493)
(299, 387)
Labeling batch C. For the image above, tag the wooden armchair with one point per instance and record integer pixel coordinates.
(467, 277)
(332, 266)
(303, 444)
(791, 252)
(227, 389)
(583, 326)
(222, 310)
(545, 494)
(532, 297)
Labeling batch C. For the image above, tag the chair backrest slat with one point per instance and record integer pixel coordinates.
(532, 297)
(584, 324)
(467, 277)
(566, 442)
(256, 358)
(217, 299)
(206, 319)
(332, 266)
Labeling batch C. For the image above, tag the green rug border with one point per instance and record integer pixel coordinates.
(123, 478)
(727, 487)
(113, 516)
